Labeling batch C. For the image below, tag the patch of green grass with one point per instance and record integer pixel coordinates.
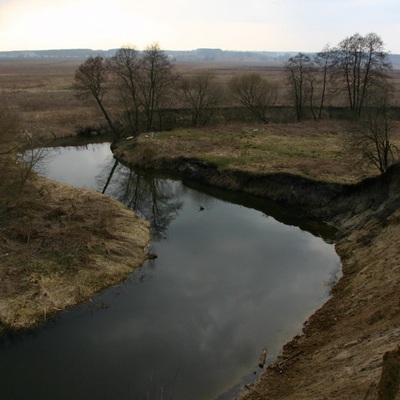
(220, 161)
(314, 150)
(181, 134)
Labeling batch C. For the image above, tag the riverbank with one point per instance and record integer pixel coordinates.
(59, 246)
(340, 353)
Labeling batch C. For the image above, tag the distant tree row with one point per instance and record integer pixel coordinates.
(134, 89)
(357, 70)
(142, 85)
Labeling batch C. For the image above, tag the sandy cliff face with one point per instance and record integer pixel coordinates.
(340, 354)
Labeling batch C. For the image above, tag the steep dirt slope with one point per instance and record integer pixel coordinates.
(340, 354)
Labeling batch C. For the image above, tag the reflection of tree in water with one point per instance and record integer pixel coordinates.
(156, 200)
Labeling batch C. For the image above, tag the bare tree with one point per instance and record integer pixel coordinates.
(125, 65)
(373, 131)
(202, 95)
(155, 81)
(19, 155)
(33, 157)
(323, 70)
(360, 63)
(254, 93)
(140, 81)
(299, 72)
(91, 78)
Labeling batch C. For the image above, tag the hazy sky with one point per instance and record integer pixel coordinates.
(276, 25)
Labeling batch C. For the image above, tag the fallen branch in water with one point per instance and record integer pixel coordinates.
(263, 357)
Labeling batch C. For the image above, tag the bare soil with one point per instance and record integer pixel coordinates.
(340, 353)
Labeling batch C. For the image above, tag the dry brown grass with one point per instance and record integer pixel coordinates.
(310, 149)
(60, 245)
(42, 91)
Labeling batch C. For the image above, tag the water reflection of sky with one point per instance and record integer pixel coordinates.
(79, 170)
(228, 281)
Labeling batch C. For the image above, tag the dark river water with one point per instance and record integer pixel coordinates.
(234, 274)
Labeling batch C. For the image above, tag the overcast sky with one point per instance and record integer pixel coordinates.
(275, 25)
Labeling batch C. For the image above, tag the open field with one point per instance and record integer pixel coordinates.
(59, 245)
(42, 92)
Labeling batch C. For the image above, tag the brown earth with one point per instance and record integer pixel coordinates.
(340, 353)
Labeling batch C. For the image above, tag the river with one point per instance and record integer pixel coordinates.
(234, 274)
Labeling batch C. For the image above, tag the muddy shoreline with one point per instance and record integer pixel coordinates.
(340, 353)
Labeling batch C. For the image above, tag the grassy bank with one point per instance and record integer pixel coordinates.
(59, 245)
(311, 149)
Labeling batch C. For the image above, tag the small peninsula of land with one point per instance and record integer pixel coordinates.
(61, 245)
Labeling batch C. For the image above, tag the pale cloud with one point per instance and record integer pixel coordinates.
(286, 25)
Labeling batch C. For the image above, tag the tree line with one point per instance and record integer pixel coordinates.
(134, 89)
(357, 70)
(139, 86)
